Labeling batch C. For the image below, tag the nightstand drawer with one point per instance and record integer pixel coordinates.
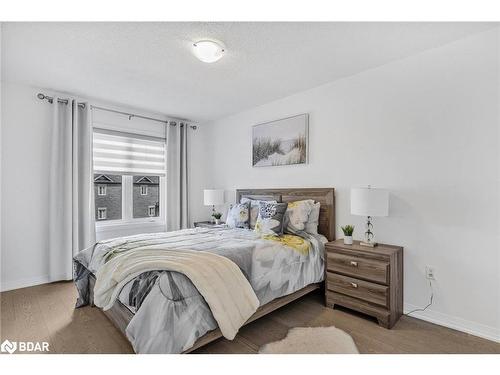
(364, 290)
(363, 268)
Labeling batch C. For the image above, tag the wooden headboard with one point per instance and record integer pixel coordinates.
(325, 196)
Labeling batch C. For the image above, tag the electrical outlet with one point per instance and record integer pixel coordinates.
(430, 273)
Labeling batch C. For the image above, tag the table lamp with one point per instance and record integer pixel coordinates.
(369, 202)
(213, 197)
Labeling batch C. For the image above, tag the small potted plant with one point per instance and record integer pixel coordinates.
(348, 230)
(217, 216)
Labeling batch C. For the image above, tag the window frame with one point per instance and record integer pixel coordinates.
(105, 187)
(109, 122)
(127, 220)
(145, 187)
(103, 209)
(149, 211)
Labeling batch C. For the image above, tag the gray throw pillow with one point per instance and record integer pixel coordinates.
(271, 218)
(254, 209)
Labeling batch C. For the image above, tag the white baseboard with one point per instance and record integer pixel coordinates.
(32, 281)
(459, 324)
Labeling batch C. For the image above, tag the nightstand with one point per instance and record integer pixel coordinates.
(368, 280)
(208, 224)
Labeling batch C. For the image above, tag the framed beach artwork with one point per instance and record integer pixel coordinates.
(281, 142)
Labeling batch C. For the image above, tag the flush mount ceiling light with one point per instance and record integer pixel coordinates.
(208, 51)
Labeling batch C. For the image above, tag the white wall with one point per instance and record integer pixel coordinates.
(426, 128)
(200, 173)
(25, 161)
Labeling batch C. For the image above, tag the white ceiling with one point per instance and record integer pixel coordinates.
(150, 65)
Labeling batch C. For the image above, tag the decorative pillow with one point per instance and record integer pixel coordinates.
(271, 218)
(254, 209)
(312, 224)
(238, 216)
(297, 214)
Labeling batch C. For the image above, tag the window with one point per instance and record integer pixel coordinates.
(146, 196)
(101, 189)
(108, 195)
(130, 177)
(102, 213)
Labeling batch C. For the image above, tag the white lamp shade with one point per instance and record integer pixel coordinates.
(213, 197)
(369, 202)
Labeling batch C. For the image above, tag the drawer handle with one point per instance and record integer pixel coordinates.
(354, 285)
(353, 263)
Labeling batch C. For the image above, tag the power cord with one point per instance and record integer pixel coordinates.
(430, 302)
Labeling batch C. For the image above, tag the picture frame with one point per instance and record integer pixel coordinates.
(281, 142)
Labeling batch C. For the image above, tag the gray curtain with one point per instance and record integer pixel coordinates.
(71, 209)
(177, 180)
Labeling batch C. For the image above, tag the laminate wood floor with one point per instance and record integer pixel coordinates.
(46, 313)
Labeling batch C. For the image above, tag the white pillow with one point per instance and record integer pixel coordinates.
(297, 214)
(311, 226)
(254, 209)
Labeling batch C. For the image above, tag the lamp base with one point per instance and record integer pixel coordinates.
(368, 244)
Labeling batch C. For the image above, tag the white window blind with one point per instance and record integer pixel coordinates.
(128, 154)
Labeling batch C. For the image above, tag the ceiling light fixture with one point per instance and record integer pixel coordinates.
(208, 51)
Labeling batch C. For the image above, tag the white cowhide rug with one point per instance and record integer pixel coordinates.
(312, 340)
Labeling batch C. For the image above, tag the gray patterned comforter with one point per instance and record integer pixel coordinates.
(169, 313)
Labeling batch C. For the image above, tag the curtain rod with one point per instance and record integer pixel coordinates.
(131, 115)
(50, 99)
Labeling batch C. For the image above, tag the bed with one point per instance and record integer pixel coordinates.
(157, 304)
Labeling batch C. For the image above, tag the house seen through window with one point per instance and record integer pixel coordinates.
(146, 196)
(108, 197)
(109, 201)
